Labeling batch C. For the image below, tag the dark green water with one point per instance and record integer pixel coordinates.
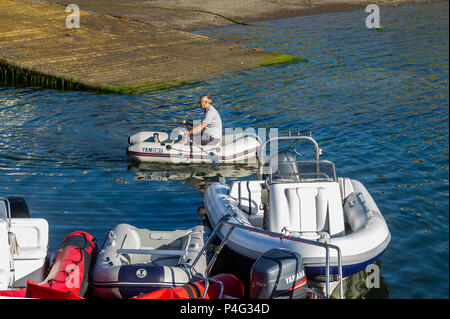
(376, 102)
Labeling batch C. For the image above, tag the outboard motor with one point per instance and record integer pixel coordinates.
(156, 137)
(278, 274)
(19, 207)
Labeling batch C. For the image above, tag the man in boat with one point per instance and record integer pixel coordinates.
(210, 127)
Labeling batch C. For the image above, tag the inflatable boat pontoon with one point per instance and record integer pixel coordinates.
(133, 261)
(158, 147)
(302, 199)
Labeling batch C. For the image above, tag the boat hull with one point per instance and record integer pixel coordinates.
(358, 249)
(195, 289)
(237, 149)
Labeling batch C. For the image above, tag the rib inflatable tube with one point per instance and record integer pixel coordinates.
(69, 271)
(233, 287)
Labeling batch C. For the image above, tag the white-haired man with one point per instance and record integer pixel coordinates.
(210, 127)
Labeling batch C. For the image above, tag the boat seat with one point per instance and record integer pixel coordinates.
(165, 240)
(309, 207)
(248, 195)
(168, 248)
(32, 237)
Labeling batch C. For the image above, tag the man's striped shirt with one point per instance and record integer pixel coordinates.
(214, 123)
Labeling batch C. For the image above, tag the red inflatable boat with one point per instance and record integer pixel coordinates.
(233, 287)
(68, 275)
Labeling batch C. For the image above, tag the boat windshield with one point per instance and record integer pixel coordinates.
(304, 171)
(3, 210)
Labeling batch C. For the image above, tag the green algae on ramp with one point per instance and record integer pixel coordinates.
(13, 75)
(281, 58)
(107, 54)
(144, 88)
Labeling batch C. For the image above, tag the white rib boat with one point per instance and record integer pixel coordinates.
(152, 146)
(302, 199)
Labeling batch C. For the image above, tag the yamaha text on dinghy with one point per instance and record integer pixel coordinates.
(304, 200)
(158, 147)
(133, 261)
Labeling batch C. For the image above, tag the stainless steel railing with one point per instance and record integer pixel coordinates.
(233, 226)
(317, 150)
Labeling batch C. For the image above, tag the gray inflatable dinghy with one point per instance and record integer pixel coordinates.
(134, 261)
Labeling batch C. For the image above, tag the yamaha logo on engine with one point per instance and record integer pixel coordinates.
(292, 278)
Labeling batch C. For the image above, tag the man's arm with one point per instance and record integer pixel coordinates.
(198, 128)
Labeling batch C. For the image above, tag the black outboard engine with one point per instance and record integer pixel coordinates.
(19, 207)
(278, 274)
(286, 167)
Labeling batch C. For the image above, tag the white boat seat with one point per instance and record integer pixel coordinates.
(306, 207)
(154, 246)
(27, 253)
(301, 202)
(32, 237)
(248, 195)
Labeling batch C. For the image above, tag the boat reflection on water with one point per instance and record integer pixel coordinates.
(199, 176)
(366, 284)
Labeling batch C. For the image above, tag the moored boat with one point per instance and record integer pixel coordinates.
(133, 261)
(68, 275)
(302, 199)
